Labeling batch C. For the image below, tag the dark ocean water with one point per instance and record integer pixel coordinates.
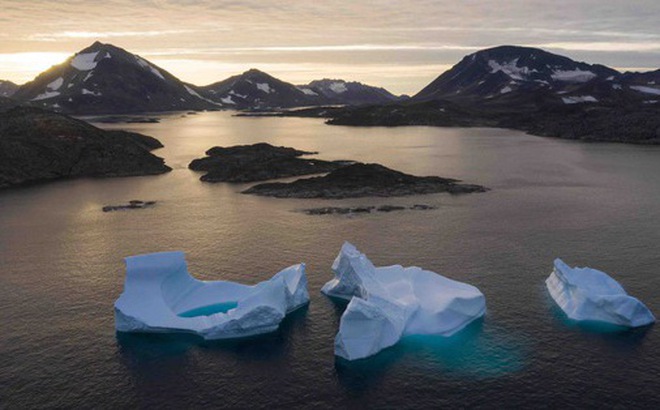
(61, 269)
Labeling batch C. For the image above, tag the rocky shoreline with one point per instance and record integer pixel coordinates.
(336, 210)
(134, 204)
(38, 145)
(258, 162)
(363, 180)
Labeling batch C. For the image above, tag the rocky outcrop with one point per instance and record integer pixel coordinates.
(363, 180)
(258, 162)
(337, 210)
(38, 145)
(134, 204)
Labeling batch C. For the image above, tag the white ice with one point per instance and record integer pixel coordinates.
(265, 87)
(573, 76)
(387, 303)
(578, 99)
(587, 294)
(84, 62)
(159, 295)
(646, 90)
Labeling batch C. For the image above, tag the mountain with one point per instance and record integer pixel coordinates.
(348, 93)
(104, 79)
(526, 89)
(7, 88)
(257, 90)
(507, 73)
(38, 145)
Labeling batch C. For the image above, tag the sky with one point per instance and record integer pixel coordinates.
(399, 45)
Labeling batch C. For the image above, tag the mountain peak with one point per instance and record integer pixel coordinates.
(103, 79)
(508, 70)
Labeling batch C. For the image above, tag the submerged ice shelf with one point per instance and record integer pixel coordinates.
(161, 296)
(586, 294)
(387, 303)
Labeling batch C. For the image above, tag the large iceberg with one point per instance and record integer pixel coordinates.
(591, 295)
(161, 296)
(387, 303)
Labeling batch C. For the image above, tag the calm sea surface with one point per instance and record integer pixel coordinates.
(61, 269)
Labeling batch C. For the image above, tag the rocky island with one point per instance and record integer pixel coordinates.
(363, 180)
(38, 145)
(258, 162)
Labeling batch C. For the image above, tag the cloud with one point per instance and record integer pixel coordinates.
(98, 35)
(419, 33)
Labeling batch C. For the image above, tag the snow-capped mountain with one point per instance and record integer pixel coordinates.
(258, 90)
(104, 79)
(644, 85)
(509, 72)
(7, 88)
(349, 93)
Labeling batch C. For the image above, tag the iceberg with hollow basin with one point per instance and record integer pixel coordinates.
(160, 296)
(586, 294)
(387, 303)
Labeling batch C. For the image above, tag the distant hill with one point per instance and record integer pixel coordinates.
(104, 79)
(349, 93)
(257, 90)
(7, 88)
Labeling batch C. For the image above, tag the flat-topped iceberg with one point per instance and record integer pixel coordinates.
(387, 303)
(161, 296)
(586, 294)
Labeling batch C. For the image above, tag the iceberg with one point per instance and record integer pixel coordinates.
(160, 296)
(387, 303)
(586, 294)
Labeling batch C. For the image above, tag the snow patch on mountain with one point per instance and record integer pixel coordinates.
(85, 91)
(338, 87)
(265, 88)
(145, 64)
(84, 62)
(232, 92)
(511, 69)
(579, 99)
(228, 100)
(55, 85)
(307, 91)
(46, 95)
(645, 90)
(573, 76)
(506, 89)
(196, 94)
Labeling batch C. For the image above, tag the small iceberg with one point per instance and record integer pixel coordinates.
(586, 294)
(161, 296)
(387, 303)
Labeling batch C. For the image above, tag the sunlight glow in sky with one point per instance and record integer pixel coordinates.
(399, 45)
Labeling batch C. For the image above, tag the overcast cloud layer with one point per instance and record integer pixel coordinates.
(399, 45)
